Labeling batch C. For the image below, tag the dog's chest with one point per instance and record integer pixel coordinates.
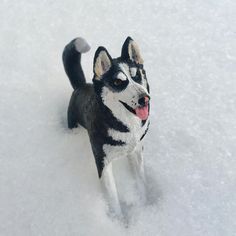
(130, 139)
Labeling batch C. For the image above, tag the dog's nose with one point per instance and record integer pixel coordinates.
(143, 100)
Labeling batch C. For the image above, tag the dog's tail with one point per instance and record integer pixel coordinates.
(71, 59)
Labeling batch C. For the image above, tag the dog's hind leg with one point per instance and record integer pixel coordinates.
(72, 113)
(110, 191)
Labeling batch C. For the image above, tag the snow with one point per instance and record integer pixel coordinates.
(48, 179)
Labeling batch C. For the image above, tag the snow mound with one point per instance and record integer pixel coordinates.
(48, 179)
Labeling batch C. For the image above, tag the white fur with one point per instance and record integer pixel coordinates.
(109, 188)
(81, 45)
(132, 150)
(134, 52)
(128, 185)
(133, 71)
(132, 139)
(121, 76)
(129, 95)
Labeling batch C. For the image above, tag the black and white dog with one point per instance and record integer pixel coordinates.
(114, 109)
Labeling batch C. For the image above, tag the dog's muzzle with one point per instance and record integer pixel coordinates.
(142, 111)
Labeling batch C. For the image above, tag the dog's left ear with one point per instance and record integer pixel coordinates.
(130, 50)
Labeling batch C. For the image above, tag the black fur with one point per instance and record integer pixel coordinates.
(145, 132)
(110, 77)
(71, 60)
(86, 107)
(124, 50)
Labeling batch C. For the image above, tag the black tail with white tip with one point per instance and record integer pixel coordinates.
(71, 59)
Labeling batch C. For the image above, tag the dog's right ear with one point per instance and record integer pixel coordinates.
(102, 62)
(130, 50)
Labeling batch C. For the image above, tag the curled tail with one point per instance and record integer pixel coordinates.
(71, 59)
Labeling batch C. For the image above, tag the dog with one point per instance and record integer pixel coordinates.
(114, 109)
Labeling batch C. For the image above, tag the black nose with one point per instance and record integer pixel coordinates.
(143, 101)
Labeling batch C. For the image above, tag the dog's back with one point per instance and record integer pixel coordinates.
(82, 106)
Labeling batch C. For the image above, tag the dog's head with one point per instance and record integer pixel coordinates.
(122, 82)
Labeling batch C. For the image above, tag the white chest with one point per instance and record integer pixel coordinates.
(131, 140)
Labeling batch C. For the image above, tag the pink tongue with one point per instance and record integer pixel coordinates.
(142, 112)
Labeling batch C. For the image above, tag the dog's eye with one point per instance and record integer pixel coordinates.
(117, 82)
(137, 78)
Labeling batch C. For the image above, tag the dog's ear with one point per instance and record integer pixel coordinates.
(102, 62)
(130, 50)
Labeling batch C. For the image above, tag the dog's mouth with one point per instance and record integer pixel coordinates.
(141, 111)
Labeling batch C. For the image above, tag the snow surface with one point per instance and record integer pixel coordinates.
(48, 179)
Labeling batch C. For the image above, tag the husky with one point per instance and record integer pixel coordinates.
(114, 109)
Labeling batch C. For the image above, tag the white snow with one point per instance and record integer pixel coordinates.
(48, 179)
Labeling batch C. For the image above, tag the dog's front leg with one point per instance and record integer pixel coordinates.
(110, 191)
(137, 167)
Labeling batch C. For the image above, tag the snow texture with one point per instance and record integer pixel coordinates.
(48, 179)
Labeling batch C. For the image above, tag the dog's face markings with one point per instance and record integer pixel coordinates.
(120, 76)
(123, 80)
(133, 71)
